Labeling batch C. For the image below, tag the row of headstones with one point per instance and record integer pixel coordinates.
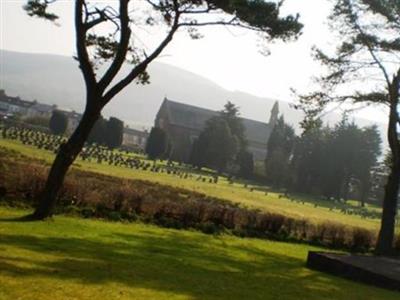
(31, 137)
(97, 153)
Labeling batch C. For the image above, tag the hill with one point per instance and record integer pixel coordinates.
(57, 80)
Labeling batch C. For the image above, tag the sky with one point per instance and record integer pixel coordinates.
(230, 58)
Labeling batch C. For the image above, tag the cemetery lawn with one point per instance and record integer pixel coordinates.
(72, 258)
(302, 207)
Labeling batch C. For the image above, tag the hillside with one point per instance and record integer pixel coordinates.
(57, 79)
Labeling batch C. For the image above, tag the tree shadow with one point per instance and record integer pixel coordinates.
(20, 219)
(170, 263)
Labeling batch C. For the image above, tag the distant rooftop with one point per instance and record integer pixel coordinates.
(195, 117)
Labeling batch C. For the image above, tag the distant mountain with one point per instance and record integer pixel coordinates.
(57, 80)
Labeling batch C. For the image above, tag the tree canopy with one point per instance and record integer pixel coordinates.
(109, 32)
(114, 132)
(279, 150)
(219, 144)
(364, 70)
(157, 143)
(58, 122)
(107, 132)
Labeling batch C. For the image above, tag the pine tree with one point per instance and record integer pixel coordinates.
(157, 143)
(58, 123)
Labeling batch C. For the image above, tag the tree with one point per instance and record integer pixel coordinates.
(309, 161)
(98, 132)
(368, 49)
(244, 159)
(367, 160)
(114, 132)
(222, 142)
(196, 158)
(279, 150)
(246, 164)
(230, 114)
(94, 45)
(38, 121)
(157, 143)
(58, 122)
(219, 144)
(336, 162)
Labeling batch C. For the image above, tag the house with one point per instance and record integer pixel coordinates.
(134, 138)
(40, 110)
(183, 124)
(14, 105)
(73, 119)
(23, 108)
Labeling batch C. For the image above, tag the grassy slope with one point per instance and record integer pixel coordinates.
(86, 259)
(235, 193)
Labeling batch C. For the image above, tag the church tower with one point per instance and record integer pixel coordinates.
(274, 115)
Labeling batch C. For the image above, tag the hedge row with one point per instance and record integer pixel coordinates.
(95, 195)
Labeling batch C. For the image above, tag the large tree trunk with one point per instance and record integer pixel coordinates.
(63, 160)
(386, 234)
(363, 194)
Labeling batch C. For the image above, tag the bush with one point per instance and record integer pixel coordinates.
(397, 243)
(362, 240)
(96, 195)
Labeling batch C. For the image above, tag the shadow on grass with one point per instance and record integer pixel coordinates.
(197, 266)
(24, 218)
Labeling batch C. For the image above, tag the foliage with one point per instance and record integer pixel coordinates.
(219, 144)
(117, 43)
(364, 70)
(231, 115)
(58, 122)
(94, 195)
(98, 132)
(246, 164)
(279, 150)
(157, 143)
(196, 158)
(222, 144)
(244, 159)
(107, 132)
(336, 162)
(38, 145)
(114, 132)
(38, 121)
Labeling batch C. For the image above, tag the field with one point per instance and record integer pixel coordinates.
(69, 258)
(253, 196)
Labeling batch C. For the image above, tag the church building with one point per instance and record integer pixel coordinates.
(183, 124)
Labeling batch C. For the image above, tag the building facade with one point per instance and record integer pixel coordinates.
(40, 110)
(134, 138)
(14, 105)
(183, 124)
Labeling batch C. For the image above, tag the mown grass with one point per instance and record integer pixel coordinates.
(300, 207)
(70, 258)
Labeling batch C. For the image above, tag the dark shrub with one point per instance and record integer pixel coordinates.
(3, 192)
(362, 240)
(114, 216)
(102, 196)
(209, 228)
(87, 212)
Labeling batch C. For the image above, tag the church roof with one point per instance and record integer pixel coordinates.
(194, 117)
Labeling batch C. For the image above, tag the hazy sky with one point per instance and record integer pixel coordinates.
(230, 58)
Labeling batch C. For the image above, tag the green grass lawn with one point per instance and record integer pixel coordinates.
(70, 258)
(304, 207)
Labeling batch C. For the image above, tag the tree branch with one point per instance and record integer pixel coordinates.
(83, 56)
(120, 56)
(141, 67)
